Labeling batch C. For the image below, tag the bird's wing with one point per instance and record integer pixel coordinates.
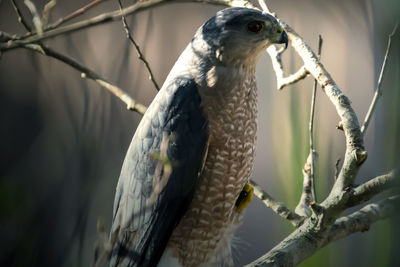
(149, 200)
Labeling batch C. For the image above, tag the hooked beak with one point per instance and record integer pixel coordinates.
(284, 39)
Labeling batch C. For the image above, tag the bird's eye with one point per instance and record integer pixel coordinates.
(255, 26)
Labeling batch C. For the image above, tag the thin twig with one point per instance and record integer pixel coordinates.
(263, 5)
(278, 207)
(308, 193)
(378, 90)
(311, 126)
(21, 18)
(281, 80)
(37, 22)
(139, 52)
(74, 14)
(88, 73)
(47, 11)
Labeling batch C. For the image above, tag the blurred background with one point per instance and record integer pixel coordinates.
(63, 138)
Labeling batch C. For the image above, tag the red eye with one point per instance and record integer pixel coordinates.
(255, 26)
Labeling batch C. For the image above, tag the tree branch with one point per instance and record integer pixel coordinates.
(108, 17)
(74, 14)
(355, 153)
(264, 6)
(378, 90)
(37, 22)
(97, 20)
(86, 72)
(4, 37)
(311, 127)
(278, 207)
(282, 81)
(311, 235)
(90, 74)
(313, 232)
(369, 189)
(48, 7)
(308, 195)
(21, 18)
(360, 221)
(139, 52)
(297, 249)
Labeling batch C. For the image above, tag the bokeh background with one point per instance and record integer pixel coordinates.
(63, 138)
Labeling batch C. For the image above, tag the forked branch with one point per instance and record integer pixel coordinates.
(281, 80)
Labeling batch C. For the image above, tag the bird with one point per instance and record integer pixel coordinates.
(184, 181)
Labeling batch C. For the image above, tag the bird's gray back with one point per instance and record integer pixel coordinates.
(144, 224)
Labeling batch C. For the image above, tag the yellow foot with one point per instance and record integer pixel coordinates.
(245, 197)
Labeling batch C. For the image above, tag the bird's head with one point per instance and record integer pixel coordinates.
(239, 35)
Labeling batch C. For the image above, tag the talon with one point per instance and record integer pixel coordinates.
(245, 197)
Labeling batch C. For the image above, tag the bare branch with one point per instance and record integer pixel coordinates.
(108, 17)
(312, 232)
(139, 52)
(311, 127)
(355, 153)
(264, 5)
(88, 73)
(278, 207)
(308, 193)
(282, 81)
(315, 232)
(5, 37)
(74, 14)
(297, 249)
(97, 20)
(21, 18)
(47, 11)
(311, 235)
(378, 90)
(360, 221)
(37, 22)
(368, 190)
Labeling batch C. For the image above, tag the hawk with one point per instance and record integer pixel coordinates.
(183, 183)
